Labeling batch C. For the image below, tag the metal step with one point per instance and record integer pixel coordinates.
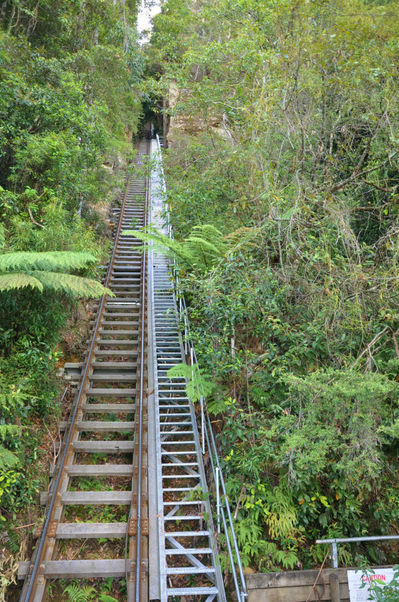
(194, 551)
(192, 591)
(189, 570)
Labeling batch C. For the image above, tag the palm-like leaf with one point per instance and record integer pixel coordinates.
(72, 285)
(19, 280)
(204, 247)
(49, 270)
(50, 260)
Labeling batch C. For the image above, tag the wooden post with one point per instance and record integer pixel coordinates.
(334, 588)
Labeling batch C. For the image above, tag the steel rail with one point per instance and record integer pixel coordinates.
(72, 427)
(335, 541)
(141, 397)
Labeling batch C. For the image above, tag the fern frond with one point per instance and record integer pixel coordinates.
(150, 234)
(9, 282)
(180, 371)
(75, 286)
(242, 237)
(7, 458)
(106, 598)
(200, 250)
(77, 593)
(209, 233)
(282, 516)
(51, 260)
(161, 244)
(198, 385)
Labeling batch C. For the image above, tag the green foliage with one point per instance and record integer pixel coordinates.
(202, 250)
(78, 593)
(282, 132)
(198, 385)
(106, 598)
(55, 260)
(199, 251)
(379, 590)
(7, 458)
(85, 593)
(69, 106)
(12, 404)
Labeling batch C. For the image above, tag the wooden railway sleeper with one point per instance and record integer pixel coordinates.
(44, 563)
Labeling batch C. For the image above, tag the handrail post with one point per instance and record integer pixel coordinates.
(202, 425)
(335, 554)
(217, 499)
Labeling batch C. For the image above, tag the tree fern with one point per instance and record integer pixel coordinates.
(201, 250)
(204, 246)
(242, 238)
(19, 280)
(49, 260)
(73, 285)
(49, 270)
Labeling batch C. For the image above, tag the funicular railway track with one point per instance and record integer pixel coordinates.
(103, 459)
(131, 499)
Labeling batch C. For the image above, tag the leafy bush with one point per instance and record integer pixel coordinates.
(65, 138)
(282, 124)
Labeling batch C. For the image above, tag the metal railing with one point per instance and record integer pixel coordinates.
(334, 543)
(224, 519)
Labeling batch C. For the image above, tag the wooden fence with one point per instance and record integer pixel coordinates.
(297, 586)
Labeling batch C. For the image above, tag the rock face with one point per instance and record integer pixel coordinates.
(183, 124)
(180, 124)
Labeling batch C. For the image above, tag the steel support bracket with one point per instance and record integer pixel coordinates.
(52, 529)
(132, 527)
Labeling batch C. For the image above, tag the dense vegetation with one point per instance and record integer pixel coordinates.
(284, 120)
(69, 104)
(283, 183)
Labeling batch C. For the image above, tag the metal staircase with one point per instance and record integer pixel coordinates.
(184, 533)
(187, 539)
